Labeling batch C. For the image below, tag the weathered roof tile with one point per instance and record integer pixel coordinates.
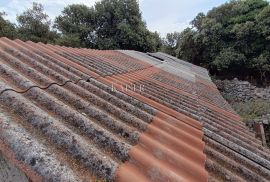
(119, 115)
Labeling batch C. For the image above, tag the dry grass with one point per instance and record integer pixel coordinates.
(252, 109)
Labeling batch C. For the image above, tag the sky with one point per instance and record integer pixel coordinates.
(163, 16)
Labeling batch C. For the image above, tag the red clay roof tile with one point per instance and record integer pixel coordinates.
(61, 99)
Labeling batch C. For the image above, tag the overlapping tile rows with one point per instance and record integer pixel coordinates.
(60, 120)
(119, 115)
(233, 153)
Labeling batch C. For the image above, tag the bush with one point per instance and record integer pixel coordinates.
(252, 109)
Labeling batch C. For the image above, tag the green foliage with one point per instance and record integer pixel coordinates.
(156, 42)
(76, 24)
(228, 59)
(34, 25)
(264, 22)
(119, 22)
(186, 46)
(110, 24)
(262, 63)
(230, 40)
(170, 43)
(70, 40)
(7, 29)
(252, 109)
(198, 21)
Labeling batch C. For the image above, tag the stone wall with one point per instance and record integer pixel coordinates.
(241, 91)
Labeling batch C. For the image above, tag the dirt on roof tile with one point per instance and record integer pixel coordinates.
(111, 115)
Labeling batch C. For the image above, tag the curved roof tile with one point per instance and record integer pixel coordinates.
(118, 115)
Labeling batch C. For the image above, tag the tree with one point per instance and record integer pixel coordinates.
(119, 26)
(232, 40)
(229, 59)
(110, 24)
(7, 29)
(77, 24)
(156, 41)
(170, 43)
(34, 25)
(262, 63)
(264, 22)
(187, 48)
(198, 21)
(70, 40)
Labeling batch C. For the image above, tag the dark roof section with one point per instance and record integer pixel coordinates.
(60, 119)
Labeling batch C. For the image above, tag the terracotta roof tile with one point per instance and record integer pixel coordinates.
(118, 115)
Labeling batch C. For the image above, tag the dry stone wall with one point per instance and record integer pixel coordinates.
(241, 91)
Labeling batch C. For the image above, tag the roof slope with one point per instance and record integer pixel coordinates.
(55, 114)
(119, 115)
(233, 153)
